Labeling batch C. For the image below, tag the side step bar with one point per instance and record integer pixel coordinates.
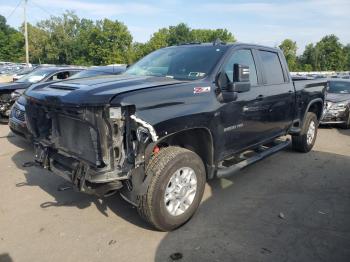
(230, 170)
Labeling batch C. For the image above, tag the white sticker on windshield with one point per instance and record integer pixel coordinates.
(196, 74)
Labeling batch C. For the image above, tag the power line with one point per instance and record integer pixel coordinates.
(42, 9)
(7, 18)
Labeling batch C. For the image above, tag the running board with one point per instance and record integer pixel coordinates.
(230, 170)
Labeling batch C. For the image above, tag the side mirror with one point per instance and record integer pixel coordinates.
(229, 89)
(241, 73)
(240, 82)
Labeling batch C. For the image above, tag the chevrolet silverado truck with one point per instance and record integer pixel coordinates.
(178, 117)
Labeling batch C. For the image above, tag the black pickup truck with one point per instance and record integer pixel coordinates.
(178, 117)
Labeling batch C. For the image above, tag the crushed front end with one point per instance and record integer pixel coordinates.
(335, 113)
(95, 148)
(6, 101)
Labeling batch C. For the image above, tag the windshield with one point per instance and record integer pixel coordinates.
(182, 62)
(339, 87)
(24, 71)
(35, 76)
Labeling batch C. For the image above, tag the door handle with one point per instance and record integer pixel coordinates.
(260, 97)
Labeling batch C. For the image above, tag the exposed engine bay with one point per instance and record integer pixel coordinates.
(96, 148)
(6, 101)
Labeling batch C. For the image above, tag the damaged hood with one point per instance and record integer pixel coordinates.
(95, 91)
(13, 86)
(335, 98)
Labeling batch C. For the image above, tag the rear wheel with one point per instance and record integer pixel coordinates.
(175, 190)
(306, 140)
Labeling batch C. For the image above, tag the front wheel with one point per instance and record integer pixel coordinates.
(306, 140)
(176, 188)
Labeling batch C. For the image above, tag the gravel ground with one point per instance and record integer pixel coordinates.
(288, 207)
(4, 79)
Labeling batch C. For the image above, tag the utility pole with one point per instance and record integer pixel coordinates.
(26, 32)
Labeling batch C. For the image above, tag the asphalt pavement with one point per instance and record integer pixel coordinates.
(288, 207)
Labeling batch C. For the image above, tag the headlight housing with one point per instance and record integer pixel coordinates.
(115, 113)
(338, 106)
(17, 93)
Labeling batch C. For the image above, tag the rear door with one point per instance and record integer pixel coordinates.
(276, 93)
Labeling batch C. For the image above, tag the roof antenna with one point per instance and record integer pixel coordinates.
(217, 41)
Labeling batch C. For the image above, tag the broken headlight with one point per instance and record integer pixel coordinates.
(115, 113)
(16, 94)
(338, 106)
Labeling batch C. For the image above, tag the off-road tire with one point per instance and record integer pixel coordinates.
(161, 167)
(300, 142)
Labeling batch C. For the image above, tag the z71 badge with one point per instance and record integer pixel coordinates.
(199, 90)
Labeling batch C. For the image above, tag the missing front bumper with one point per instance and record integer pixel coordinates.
(79, 173)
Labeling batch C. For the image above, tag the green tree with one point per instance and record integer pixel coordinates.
(347, 56)
(307, 68)
(67, 39)
(109, 42)
(310, 58)
(63, 31)
(208, 35)
(289, 48)
(11, 43)
(330, 53)
(38, 44)
(179, 34)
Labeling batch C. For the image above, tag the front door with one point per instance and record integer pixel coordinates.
(242, 119)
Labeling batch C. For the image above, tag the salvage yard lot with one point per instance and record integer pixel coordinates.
(289, 207)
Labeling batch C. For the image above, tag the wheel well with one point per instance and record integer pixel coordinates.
(317, 109)
(198, 140)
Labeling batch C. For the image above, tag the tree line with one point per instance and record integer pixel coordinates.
(68, 39)
(326, 55)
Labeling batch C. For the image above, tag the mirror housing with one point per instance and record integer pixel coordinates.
(240, 82)
(241, 73)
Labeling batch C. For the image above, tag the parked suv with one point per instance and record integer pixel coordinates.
(337, 105)
(10, 92)
(17, 121)
(178, 117)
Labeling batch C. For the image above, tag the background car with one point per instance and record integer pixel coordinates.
(100, 70)
(337, 104)
(9, 92)
(22, 72)
(17, 121)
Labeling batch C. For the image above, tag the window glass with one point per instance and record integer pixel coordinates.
(59, 76)
(242, 57)
(36, 75)
(272, 67)
(90, 73)
(182, 62)
(339, 87)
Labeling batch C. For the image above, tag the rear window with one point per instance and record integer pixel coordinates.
(272, 67)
